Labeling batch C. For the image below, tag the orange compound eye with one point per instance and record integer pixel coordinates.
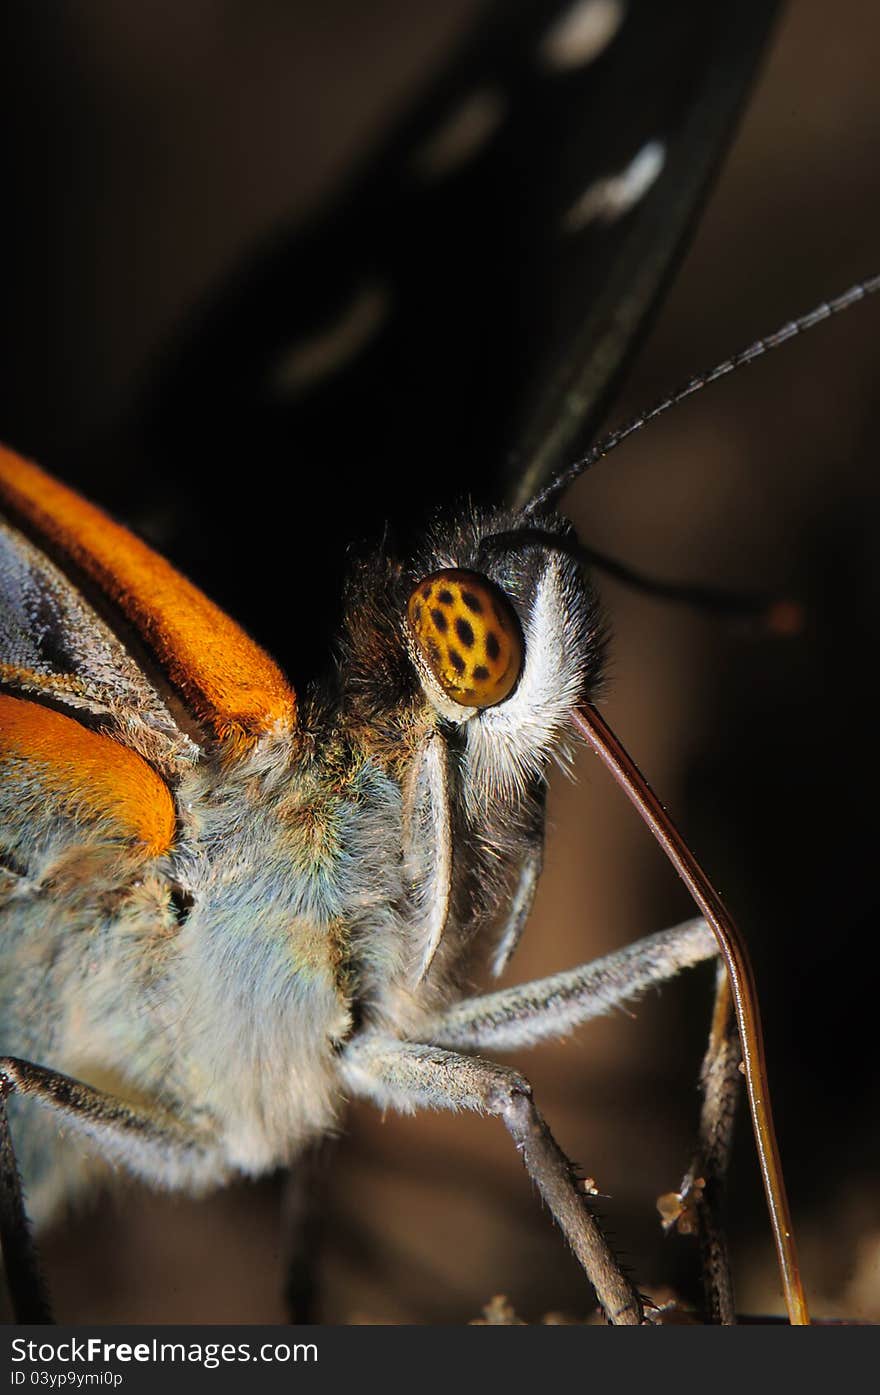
(468, 635)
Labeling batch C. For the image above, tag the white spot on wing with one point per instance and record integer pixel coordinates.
(615, 194)
(580, 34)
(309, 361)
(464, 132)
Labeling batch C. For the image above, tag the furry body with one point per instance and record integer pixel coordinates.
(215, 984)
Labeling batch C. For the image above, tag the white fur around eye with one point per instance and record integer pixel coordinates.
(509, 745)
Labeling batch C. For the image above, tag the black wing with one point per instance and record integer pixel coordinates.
(455, 322)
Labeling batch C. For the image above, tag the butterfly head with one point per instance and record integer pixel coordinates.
(504, 633)
(489, 628)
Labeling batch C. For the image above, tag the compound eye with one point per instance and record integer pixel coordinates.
(468, 635)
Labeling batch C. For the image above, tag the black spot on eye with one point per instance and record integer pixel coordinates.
(426, 592)
(181, 904)
(456, 660)
(472, 602)
(418, 612)
(493, 648)
(465, 633)
(480, 674)
(440, 621)
(445, 597)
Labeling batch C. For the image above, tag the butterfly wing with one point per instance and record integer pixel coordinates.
(452, 324)
(87, 737)
(455, 322)
(56, 646)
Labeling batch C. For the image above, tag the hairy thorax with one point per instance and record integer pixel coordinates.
(217, 983)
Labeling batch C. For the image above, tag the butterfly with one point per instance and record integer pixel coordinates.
(365, 430)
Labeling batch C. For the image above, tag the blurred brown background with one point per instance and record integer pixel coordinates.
(141, 185)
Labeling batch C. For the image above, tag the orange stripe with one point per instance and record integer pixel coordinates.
(227, 679)
(90, 775)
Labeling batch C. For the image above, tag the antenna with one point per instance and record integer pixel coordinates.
(824, 311)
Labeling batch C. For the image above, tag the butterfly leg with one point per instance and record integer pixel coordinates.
(303, 1212)
(27, 1291)
(412, 1075)
(697, 1205)
(154, 1144)
(551, 1007)
(524, 895)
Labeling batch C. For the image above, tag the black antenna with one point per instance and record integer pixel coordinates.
(566, 476)
(780, 616)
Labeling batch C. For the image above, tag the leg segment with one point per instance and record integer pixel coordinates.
(156, 1146)
(551, 1007)
(520, 907)
(523, 898)
(27, 1292)
(302, 1229)
(698, 1205)
(408, 1076)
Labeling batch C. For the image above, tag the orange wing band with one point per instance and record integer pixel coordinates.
(228, 681)
(91, 776)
